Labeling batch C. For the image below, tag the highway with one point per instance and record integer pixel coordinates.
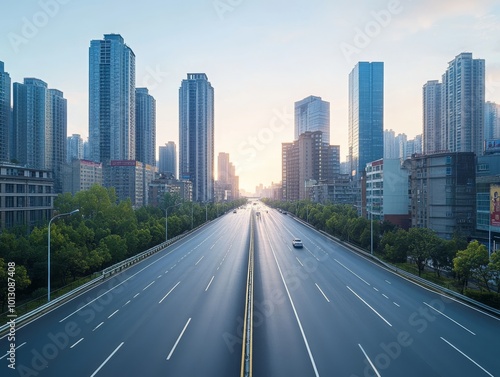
(318, 311)
(177, 313)
(325, 311)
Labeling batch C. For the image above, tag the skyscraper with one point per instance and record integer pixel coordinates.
(4, 113)
(168, 159)
(74, 148)
(366, 115)
(432, 114)
(40, 127)
(145, 127)
(491, 120)
(463, 104)
(312, 114)
(111, 99)
(196, 135)
(223, 167)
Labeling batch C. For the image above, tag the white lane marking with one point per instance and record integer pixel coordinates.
(128, 302)
(99, 325)
(159, 276)
(452, 320)
(149, 285)
(212, 247)
(375, 289)
(199, 260)
(164, 297)
(208, 286)
(352, 272)
(105, 361)
(19, 346)
(377, 313)
(76, 343)
(367, 358)
(385, 296)
(311, 358)
(388, 282)
(298, 260)
(112, 314)
(484, 370)
(137, 294)
(323, 293)
(178, 339)
(395, 303)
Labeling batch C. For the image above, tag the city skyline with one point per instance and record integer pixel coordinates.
(255, 67)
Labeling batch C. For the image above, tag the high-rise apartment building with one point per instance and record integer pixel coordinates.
(312, 114)
(196, 135)
(145, 127)
(167, 163)
(366, 115)
(111, 100)
(491, 120)
(463, 104)
(4, 113)
(40, 128)
(432, 115)
(74, 148)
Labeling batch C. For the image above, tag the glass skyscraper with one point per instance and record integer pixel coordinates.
(167, 163)
(145, 127)
(4, 113)
(111, 99)
(196, 135)
(366, 115)
(312, 114)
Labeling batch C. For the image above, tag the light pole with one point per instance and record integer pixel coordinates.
(166, 220)
(48, 249)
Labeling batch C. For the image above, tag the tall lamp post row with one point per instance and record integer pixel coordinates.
(166, 219)
(48, 248)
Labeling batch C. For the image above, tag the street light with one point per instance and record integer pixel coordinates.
(48, 248)
(166, 220)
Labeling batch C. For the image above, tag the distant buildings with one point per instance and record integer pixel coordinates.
(74, 148)
(432, 116)
(167, 164)
(145, 127)
(80, 175)
(227, 184)
(196, 135)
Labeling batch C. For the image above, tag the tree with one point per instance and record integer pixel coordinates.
(421, 241)
(395, 245)
(470, 260)
(494, 267)
(20, 277)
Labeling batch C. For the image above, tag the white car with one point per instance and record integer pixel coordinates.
(297, 242)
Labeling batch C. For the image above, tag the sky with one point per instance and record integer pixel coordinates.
(260, 56)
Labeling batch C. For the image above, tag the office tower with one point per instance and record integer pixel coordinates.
(312, 114)
(4, 113)
(463, 104)
(223, 167)
(433, 141)
(366, 115)
(59, 127)
(196, 135)
(74, 148)
(145, 127)
(168, 159)
(491, 120)
(40, 127)
(111, 100)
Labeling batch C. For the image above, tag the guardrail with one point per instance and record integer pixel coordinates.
(247, 343)
(109, 271)
(407, 274)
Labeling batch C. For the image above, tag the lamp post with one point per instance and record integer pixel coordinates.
(166, 219)
(48, 248)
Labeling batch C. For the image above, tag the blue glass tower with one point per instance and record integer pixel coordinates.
(366, 115)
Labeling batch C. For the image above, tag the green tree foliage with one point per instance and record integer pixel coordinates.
(469, 261)
(422, 241)
(394, 246)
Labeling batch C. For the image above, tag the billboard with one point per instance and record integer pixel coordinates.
(492, 146)
(495, 205)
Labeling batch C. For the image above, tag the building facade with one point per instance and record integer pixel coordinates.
(312, 114)
(432, 113)
(81, 175)
(111, 100)
(491, 120)
(26, 196)
(145, 127)
(196, 135)
(74, 148)
(167, 164)
(131, 180)
(443, 192)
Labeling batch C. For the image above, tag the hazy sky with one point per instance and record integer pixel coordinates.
(260, 56)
